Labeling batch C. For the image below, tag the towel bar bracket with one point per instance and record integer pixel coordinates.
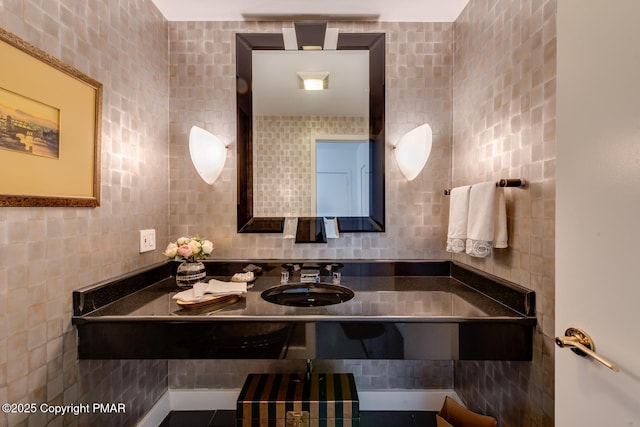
(504, 182)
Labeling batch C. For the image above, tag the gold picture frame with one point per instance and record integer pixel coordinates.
(50, 127)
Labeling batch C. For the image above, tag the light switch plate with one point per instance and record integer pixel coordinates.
(147, 240)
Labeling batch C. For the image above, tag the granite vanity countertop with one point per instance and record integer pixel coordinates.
(434, 310)
(405, 299)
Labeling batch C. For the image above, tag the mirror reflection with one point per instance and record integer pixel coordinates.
(342, 177)
(311, 148)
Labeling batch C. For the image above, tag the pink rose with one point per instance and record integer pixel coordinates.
(185, 251)
(195, 247)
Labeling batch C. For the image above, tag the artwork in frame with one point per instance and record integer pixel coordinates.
(50, 116)
(28, 126)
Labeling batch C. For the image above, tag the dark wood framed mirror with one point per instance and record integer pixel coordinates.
(245, 45)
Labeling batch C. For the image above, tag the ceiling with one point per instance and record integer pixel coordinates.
(381, 10)
(276, 91)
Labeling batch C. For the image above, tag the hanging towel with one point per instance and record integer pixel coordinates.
(500, 235)
(458, 214)
(487, 222)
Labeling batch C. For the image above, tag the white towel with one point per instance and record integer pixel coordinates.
(500, 234)
(214, 288)
(458, 214)
(487, 223)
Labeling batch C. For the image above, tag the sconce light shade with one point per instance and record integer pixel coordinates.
(412, 151)
(208, 154)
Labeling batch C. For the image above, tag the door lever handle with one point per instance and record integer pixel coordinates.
(582, 344)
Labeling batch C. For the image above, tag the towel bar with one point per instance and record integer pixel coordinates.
(505, 182)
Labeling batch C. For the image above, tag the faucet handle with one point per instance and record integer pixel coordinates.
(284, 277)
(290, 267)
(334, 266)
(336, 276)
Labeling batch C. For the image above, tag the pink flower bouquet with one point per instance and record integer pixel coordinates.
(189, 249)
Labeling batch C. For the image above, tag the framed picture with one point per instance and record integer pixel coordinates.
(50, 117)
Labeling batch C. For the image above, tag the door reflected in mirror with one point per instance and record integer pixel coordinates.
(342, 178)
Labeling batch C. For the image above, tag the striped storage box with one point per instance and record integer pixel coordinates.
(293, 400)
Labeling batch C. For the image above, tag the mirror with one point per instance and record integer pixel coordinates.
(307, 144)
(272, 111)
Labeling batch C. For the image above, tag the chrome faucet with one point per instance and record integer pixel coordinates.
(310, 273)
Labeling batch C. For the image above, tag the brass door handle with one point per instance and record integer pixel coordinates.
(582, 344)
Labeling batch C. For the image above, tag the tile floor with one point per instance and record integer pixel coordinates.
(367, 419)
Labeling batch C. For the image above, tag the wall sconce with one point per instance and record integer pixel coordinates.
(208, 154)
(412, 151)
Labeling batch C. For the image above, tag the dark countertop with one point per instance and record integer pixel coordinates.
(436, 310)
(406, 299)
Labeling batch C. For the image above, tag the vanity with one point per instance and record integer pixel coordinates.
(433, 310)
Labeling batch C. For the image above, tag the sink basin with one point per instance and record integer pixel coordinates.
(307, 294)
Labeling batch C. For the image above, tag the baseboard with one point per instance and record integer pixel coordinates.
(370, 400)
(404, 400)
(158, 412)
(203, 399)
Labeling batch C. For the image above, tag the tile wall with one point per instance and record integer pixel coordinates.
(282, 167)
(47, 252)
(419, 61)
(504, 127)
(369, 374)
(418, 79)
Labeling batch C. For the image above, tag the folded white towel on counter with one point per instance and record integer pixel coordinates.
(458, 214)
(487, 222)
(215, 288)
